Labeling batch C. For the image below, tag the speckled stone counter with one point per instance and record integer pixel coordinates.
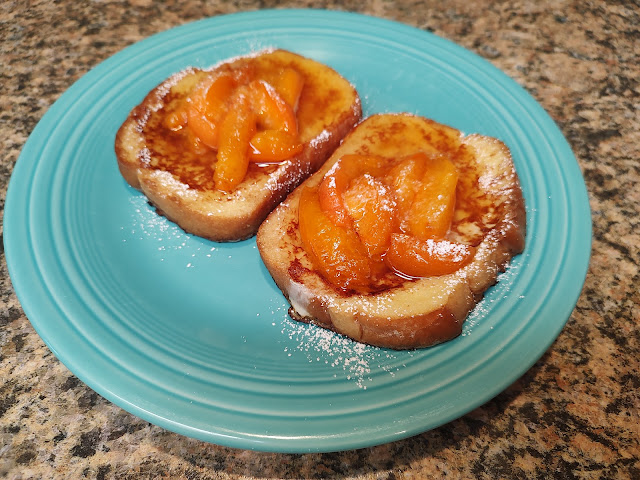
(574, 414)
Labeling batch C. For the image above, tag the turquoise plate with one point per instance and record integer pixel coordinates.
(193, 335)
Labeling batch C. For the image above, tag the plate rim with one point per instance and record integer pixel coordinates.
(17, 274)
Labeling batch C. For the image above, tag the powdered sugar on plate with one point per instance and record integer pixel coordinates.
(354, 361)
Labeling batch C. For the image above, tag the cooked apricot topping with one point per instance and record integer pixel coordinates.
(272, 111)
(203, 128)
(216, 92)
(241, 117)
(289, 85)
(421, 258)
(370, 211)
(177, 119)
(336, 251)
(370, 204)
(433, 205)
(278, 138)
(405, 177)
(337, 180)
(195, 144)
(274, 146)
(236, 130)
(207, 105)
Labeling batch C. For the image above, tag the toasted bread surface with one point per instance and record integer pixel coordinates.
(179, 182)
(407, 313)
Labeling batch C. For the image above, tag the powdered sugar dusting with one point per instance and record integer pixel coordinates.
(171, 183)
(353, 361)
(322, 137)
(164, 236)
(457, 252)
(144, 225)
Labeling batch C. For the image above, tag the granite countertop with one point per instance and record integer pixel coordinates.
(574, 414)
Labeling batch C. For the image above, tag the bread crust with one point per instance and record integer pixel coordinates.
(204, 211)
(412, 313)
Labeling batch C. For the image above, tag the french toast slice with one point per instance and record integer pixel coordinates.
(178, 180)
(396, 311)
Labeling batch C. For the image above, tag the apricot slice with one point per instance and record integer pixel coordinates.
(194, 143)
(405, 178)
(274, 146)
(289, 85)
(434, 202)
(242, 118)
(217, 92)
(203, 128)
(414, 257)
(337, 180)
(272, 111)
(336, 251)
(236, 131)
(371, 206)
(177, 119)
(208, 104)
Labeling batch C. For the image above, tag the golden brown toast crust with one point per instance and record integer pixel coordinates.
(411, 313)
(329, 107)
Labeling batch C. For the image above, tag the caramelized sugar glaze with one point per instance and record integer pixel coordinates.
(173, 150)
(480, 203)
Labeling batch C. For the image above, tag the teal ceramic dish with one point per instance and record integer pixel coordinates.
(193, 335)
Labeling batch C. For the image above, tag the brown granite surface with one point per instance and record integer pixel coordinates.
(574, 414)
